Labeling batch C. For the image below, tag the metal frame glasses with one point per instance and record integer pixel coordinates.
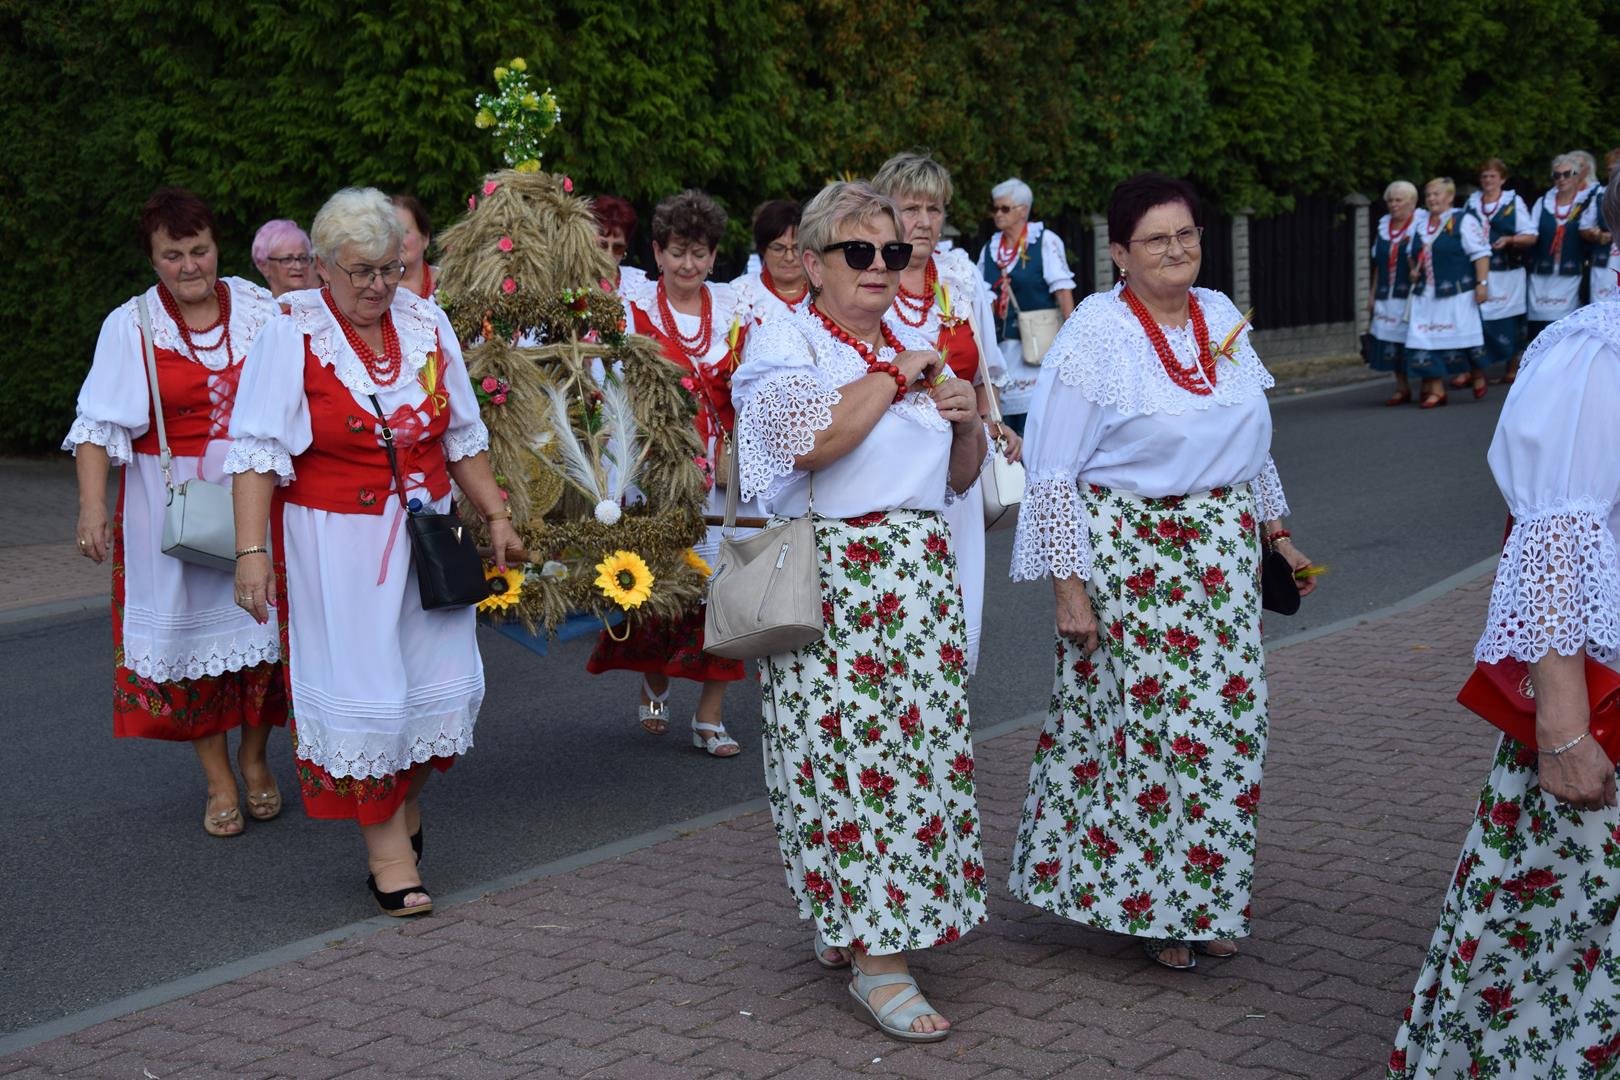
(1189, 239)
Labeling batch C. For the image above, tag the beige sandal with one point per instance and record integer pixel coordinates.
(895, 1018)
(216, 824)
(264, 805)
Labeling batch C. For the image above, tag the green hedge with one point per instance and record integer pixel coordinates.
(265, 108)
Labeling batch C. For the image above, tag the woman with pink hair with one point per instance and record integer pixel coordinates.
(281, 252)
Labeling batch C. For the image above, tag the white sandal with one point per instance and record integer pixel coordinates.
(654, 718)
(715, 742)
(822, 948)
(895, 1018)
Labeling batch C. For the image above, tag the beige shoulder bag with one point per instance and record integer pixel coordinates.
(199, 525)
(1001, 482)
(765, 593)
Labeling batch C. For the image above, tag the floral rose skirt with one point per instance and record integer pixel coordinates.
(1522, 977)
(868, 759)
(1143, 795)
(185, 709)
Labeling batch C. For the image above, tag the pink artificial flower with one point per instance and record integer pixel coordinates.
(490, 384)
(568, 185)
(504, 495)
(472, 202)
(497, 399)
(606, 285)
(509, 286)
(489, 187)
(505, 243)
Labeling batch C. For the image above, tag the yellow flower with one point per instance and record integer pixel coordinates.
(696, 562)
(485, 119)
(532, 165)
(531, 100)
(624, 579)
(501, 73)
(519, 64)
(505, 588)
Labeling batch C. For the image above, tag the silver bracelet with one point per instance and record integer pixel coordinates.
(1572, 744)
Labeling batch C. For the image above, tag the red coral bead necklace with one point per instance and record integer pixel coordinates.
(222, 295)
(1184, 377)
(696, 347)
(793, 304)
(867, 353)
(383, 368)
(908, 303)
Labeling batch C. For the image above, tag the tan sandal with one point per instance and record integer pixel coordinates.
(264, 805)
(896, 1016)
(217, 824)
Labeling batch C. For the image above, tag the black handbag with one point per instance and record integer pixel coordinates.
(449, 572)
(1279, 591)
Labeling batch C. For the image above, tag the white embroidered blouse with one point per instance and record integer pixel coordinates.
(1107, 413)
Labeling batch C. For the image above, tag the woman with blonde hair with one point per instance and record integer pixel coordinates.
(1451, 261)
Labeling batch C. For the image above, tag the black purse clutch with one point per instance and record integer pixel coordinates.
(449, 572)
(1279, 591)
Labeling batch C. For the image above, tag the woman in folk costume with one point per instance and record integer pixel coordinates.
(1027, 269)
(615, 228)
(868, 754)
(189, 665)
(420, 277)
(778, 286)
(1510, 231)
(1558, 260)
(943, 300)
(1599, 236)
(702, 328)
(1392, 286)
(1451, 261)
(1522, 976)
(383, 691)
(1152, 492)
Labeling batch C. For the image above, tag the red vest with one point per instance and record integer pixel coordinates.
(345, 470)
(196, 404)
(710, 385)
(960, 349)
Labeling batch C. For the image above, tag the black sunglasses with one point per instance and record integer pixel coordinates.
(858, 254)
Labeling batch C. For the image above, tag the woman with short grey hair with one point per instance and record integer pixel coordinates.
(868, 760)
(1028, 270)
(382, 688)
(1388, 306)
(1558, 260)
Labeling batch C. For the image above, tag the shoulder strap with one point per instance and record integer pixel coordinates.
(164, 457)
(393, 458)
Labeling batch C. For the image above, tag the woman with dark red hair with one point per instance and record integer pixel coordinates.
(189, 664)
(615, 226)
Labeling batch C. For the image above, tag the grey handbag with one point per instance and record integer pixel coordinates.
(765, 593)
(1001, 482)
(199, 525)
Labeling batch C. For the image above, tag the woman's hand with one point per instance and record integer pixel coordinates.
(1582, 776)
(1482, 293)
(1075, 619)
(956, 402)
(1297, 561)
(255, 586)
(92, 533)
(506, 545)
(914, 364)
(1012, 443)
(1499, 243)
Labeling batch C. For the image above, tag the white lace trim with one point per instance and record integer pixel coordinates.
(1052, 539)
(845, 365)
(1601, 320)
(1557, 588)
(1103, 352)
(201, 661)
(115, 437)
(251, 454)
(958, 274)
(416, 321)
(465, 442)
(778, 426)
(437, 721)
(1269, 499)
(252, 308)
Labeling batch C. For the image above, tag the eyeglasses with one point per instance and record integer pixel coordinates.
(998, 209)
(1188, 238)
(779, 251)
(291, 260)
(1563, 174)
(361, 277)
(858, 254)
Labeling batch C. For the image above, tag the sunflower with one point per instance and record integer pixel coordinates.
(624, 578)
(505, 586)
(695, 561)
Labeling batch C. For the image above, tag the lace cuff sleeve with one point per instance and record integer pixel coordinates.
(102, 433)
(466, 441)
(249, 454)
(778, 424)
(1052, 538)
(1269, 499)
(1557, 589)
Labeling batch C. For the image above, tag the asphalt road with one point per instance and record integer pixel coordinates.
(108, 884)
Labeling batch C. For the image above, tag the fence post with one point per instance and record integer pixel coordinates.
(1362, 256)
(1102, 266)
(1241, 292)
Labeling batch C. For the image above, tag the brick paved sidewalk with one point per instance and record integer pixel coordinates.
(685, 959)
(38, 561)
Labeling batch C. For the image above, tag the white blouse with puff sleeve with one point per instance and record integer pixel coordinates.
(1107, 413)
(1554, 457)
(784, 393)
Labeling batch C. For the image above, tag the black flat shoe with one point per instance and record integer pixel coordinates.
(393, 903)
(416, 843)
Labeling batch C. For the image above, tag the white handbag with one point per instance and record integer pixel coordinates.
(765, 593)
(1001, 482)
(1036, 331)
(199, 525)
